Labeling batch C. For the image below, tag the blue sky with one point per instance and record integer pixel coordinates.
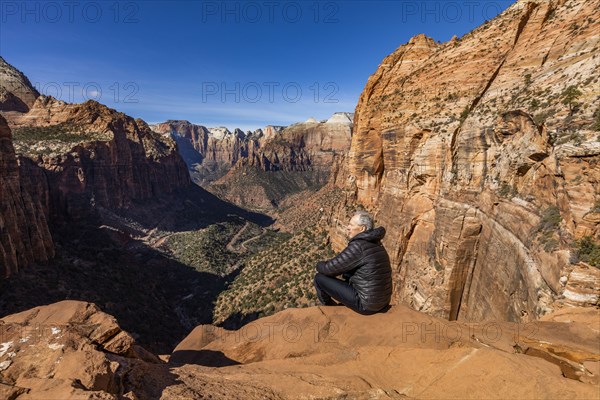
(240, 64)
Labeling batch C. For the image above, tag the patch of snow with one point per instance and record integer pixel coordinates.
(56, 346)
(55, 330)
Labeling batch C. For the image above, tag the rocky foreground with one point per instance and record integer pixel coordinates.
(71, 349)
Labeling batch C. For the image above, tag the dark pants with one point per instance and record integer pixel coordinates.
(329, 288)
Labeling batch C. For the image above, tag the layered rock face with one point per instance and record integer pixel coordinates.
(259, 169)
(209, 153)
(65, 161)
(24, 233)
(93, 156)
(481, 158)
(16, 92)
(297, 159)
(296, 147)
(303, 146)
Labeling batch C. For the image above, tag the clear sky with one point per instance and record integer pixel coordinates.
(240, 64)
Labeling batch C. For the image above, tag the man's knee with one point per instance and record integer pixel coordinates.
(318, 277)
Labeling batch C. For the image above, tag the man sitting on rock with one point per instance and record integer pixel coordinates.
(365, 267)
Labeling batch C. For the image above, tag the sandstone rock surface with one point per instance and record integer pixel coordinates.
(68, 349)
(73, 350)
(16, 92)
(481, 167)
(332, 352)
(92, 155)
(24, 232)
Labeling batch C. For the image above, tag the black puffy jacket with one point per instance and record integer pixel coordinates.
(367, 264)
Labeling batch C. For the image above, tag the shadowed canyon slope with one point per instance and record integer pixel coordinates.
(24, 233)
(482, 158)
(74, 159)
(105, 157)
(93, 195)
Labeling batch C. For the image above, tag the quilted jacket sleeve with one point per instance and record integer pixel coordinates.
(347, 260)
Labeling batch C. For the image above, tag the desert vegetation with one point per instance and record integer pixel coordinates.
(60, 138)
(205, 250)
(588, 250)
(548, 228)
(277, 277)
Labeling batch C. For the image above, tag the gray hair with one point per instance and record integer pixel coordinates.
(365, 219)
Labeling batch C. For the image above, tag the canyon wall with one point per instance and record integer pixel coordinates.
(259, 169)
(209, 155)
(481, 157)
(93, 156)
(24, 233)
(62, 162)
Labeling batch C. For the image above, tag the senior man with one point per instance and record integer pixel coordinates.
(365, 268)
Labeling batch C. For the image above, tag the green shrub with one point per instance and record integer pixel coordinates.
(570, 95)
(63, 132)
(588, 250)
(548, 227)
(541, 117)
(550, 220)
(507, 190)
(464, 114)
(596, 122)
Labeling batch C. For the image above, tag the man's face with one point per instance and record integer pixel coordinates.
(353, 228)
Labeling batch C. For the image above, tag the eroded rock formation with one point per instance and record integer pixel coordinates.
(68, 349)
(259, 169)
(24, 233)
(92, 155)
(64, 161)
(481, 158)
(73, 349)
(209, 153)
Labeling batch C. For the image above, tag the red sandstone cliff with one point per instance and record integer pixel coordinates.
(260, 169)
(92, 156)
(65, 161)
(209, 155)
(24, 233)
(481, 157)
(297, 147)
